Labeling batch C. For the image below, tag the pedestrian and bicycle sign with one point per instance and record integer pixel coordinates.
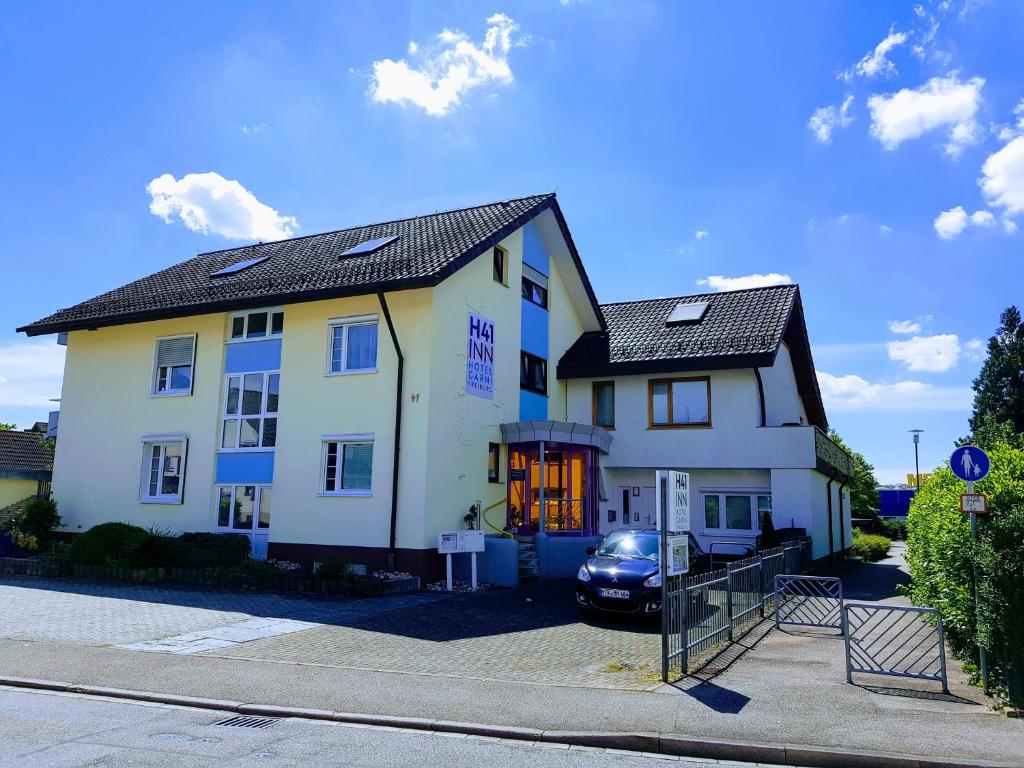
(969, 463)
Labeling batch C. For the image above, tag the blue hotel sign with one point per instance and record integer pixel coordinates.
(480, 357)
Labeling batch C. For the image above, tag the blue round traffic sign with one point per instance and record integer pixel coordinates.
(969, 463)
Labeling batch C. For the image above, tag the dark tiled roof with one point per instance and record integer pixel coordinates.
(22, 452)
(428, 249)
(737, 328)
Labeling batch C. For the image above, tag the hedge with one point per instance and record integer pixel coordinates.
(870, 546)
(943, 559)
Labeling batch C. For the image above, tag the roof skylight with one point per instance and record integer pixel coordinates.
(238, 267)
(369, 246)
(687, 312)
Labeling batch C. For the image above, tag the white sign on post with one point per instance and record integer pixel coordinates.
(480, 357)
(677, 498)
(974, 503)
(678, 554)
(456, 542)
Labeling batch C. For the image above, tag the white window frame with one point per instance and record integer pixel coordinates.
(343, 439)
(148, 441)
(254, 528)
(755, 517)
(154, 390)
(346, 323)
(244, 338)
(263, 415)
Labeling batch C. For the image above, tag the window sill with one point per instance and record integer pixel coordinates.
(342, 494)
(180, 393)
(678, 426)
(246, 450)
(254, 338)
(354, 372)
(160, 500)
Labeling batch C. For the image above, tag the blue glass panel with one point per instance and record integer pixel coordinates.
(534, 252)
(256, 355)
(233, 268)
(370, 246)
(250, 468)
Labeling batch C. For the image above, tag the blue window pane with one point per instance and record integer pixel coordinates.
(362, 347)
(370, 246)
(181, 377)
(356, 466)
(337, 346)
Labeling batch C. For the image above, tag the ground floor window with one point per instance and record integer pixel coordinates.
(163, 471)
(243, 507)
(347, 466)
(735, 512)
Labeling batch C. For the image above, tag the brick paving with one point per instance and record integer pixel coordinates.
(532, 634)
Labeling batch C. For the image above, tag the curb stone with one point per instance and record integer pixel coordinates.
(772, 754)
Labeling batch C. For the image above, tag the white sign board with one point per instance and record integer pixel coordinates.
(973, 503)
(678, 555)
(455, 542)
(674, 492)
(480, 357)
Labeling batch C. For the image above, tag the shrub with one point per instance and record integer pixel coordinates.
(870, 546)
(257, 567)
(38, 519)
(114, 543)
(943, 558)
(335, 569)
(210, 550)
(894, 527)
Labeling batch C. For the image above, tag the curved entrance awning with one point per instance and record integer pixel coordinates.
(567, 432)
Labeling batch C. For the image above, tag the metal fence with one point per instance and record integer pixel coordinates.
(809, 601)
(895, 640)
(702, 613)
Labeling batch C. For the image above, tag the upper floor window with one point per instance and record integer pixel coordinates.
(347, 465)
(353, 345)
(533, 373)
(250, 411)
(163, 470)
(257, 325)
(500, 265)
(682, 402)
(604, 404)
(535, 286)
(174, 360)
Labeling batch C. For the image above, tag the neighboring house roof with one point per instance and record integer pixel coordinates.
(22, 455)
(738, 329)
(428, 249)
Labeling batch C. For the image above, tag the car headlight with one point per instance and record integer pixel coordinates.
(583, 574)
(653, 581)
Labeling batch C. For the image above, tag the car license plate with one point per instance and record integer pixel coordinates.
(621, 594)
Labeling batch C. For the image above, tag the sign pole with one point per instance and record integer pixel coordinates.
(982, 654)
(663, 570)
(473, 570)
(448, 563)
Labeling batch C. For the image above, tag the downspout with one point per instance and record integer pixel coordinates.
(760, 396)
(831, 534)
(392, 550)
(842, 532)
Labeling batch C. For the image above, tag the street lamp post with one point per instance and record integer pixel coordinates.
(917, 466)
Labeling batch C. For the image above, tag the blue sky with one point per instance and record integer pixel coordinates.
(869, 151)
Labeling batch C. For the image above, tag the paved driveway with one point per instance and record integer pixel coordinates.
(531, 634)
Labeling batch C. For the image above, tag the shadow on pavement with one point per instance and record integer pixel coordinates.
(911, 693)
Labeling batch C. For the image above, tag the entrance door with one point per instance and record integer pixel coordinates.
(646, 508)
(567, 481)
(245, 509)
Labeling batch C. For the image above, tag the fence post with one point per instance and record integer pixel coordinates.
(728, 597)
(684, 629)
(760, 584)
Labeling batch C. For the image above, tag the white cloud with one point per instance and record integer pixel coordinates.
(974, 350)
(700, 234)
(257, 128)
(30, 374)
(951, 223)
(855, 393)
(904, 326)
(210, 204)
(1002, 178)
(455, 66)
(827, 119)
(941, 103)
(875, 63)
(721, 283)
(926, 353)
(413, 48)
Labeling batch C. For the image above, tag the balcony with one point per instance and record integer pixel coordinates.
(830, 456)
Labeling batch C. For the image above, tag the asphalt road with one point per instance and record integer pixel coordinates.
(43, 729)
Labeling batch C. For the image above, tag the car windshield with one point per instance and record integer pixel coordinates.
(627, 544)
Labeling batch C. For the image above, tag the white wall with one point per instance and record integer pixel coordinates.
(783, 404)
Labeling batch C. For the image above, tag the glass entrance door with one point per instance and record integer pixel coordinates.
(245, 509)
(566, 483)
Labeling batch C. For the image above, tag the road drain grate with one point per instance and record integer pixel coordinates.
(240, 721)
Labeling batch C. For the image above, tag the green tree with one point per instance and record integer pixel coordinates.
(864, 486)
(4, 425)
(999, 388)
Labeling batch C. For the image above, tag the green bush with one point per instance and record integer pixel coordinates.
(335, 569)
(943, 558)
(870, 546)
(111, 543)
(210, 550)
(39, 519)
(895, 527)
(257, 568)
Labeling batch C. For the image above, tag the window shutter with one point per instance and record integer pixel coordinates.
(177, 351)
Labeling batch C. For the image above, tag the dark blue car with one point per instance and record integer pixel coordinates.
(622, 576)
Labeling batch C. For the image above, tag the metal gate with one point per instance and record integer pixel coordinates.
(895, 640)
(809, 601)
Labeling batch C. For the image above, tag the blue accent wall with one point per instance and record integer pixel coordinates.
(534, 252)
(534, 328)
(532, 405)
(245, 468)
(247, 356)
